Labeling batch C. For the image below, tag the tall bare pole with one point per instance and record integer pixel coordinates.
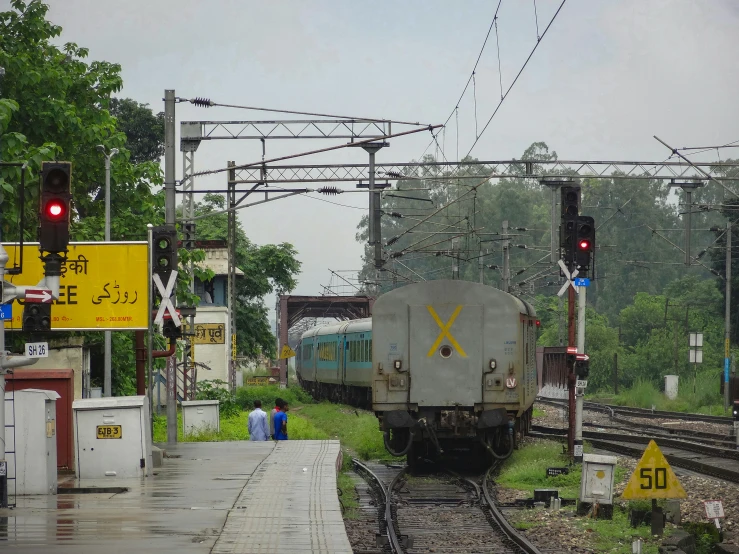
(579, 393)
(169, 219)
(506, 259)
(727, 317)
(375, 229)
(571, 373)
(169, 158)
(231, 203)
(107, 365)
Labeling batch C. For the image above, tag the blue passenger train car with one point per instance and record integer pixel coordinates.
(335, 362)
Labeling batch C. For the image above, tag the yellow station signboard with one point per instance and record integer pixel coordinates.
(104, 286)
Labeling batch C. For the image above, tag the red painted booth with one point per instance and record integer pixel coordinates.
(61, 381)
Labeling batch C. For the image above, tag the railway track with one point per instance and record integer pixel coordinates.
(440, 514)
(613, 409)
(722, 463)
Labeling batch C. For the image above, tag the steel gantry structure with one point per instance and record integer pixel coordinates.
(502, 169)
(368, 133)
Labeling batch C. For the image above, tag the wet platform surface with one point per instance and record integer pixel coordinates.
(207, 497)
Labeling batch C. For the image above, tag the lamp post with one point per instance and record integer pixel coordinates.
(108, 336)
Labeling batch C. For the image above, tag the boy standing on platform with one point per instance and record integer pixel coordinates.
(281, 421)
(276, 409)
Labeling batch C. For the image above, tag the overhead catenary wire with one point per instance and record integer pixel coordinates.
(523, 67)
(206, 103)
(469, 80)
(694, 166)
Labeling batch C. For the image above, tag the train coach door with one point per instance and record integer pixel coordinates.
(342, 359)
(445, 346)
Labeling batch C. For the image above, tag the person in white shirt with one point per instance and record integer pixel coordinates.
(258, 428)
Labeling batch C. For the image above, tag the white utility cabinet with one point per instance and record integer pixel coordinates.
(198, 415)
(112, 437)
(30, 441)
(596, 484)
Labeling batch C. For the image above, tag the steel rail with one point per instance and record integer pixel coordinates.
(675, 460)
(644, 412)
(697, 447)
(500, 520)
(389, 527)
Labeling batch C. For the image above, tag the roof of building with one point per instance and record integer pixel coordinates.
(216, 259)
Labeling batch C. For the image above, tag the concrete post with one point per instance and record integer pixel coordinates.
(579, 393)
(169, 157)
(727, 318)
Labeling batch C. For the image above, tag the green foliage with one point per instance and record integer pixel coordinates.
(705, 399)
(706, 536)
(234, 428)
(357, 429)
(55, 105)
(218, 390)
(526, 470)
(294, 396)
(347, 495)
(143, 129)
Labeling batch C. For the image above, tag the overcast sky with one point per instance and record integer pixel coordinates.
(607, 76)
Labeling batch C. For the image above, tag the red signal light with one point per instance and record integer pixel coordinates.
(584, 244)
(55, 210)
(538, 323)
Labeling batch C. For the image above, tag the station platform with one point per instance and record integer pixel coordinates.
(226, 497)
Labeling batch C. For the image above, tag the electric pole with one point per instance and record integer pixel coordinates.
(506, 259)
(727, 317)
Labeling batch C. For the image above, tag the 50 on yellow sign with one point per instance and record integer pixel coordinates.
(103, 286)
(653, 477)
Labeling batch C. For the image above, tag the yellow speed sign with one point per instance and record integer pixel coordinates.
(103, 286)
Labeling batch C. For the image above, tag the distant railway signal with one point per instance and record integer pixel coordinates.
(568, 227)
(570, 202)
(585, 243)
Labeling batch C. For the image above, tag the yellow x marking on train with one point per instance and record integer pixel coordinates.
(445, 331)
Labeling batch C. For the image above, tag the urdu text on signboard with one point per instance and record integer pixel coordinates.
(104, 286)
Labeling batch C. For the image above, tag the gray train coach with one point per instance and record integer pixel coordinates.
(454, 367)
(445, 365)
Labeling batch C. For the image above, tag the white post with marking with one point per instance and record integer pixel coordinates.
(580, 393)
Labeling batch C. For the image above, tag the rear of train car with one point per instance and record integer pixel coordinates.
(454, 367)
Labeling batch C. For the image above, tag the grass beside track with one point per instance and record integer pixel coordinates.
(235, 429)
(526, 470)
(644, 394)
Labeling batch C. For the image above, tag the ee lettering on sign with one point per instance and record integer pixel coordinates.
(103, 286)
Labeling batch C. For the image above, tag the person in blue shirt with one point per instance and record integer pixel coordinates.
(258, 428)
(281, 421)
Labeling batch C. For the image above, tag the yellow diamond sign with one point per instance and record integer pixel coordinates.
(103, 286)
(653, 478)
(286, 352)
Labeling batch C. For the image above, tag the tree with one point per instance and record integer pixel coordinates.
(144, 131)
(55, 105)
(269, 268)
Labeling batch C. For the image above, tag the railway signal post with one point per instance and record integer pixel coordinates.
(571, 290)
